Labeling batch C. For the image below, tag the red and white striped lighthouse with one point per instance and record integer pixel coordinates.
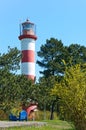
(28, 38)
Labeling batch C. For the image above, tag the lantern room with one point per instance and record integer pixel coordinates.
(27, 30)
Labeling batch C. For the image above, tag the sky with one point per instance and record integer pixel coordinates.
(61, 19)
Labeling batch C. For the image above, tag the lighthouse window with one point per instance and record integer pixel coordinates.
(28, 26)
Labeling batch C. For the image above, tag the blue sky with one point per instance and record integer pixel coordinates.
(61, 19)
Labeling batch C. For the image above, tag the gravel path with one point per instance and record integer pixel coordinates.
(5, 124)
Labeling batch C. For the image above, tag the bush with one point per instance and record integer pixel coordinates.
(41, 115)
(3, 115)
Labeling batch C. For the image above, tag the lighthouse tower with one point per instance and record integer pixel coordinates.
(28, 38)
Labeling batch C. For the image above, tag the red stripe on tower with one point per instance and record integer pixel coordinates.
(28, 56)
(28, 37)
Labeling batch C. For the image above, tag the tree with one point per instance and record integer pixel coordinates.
(51, 55)
(8, 90)
(44, 99)
(10, 60)
(15, 89)
(25, 89)
(9, 64)
(72, 93)
(76, 54)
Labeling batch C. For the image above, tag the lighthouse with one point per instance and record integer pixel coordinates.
(28, 38)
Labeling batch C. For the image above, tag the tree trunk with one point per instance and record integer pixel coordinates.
(52, 110)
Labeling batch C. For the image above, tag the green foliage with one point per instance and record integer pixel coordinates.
(14, 89)
(44, 115)
(10, 60)
(47, 101)
(51, 55)
(76, 53)
(3, 115)
(25, 87)
(72, 91)
(54, 58)
(7, 89)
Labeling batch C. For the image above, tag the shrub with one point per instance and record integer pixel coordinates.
(3, 115)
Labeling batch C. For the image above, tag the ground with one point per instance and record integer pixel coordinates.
(5, 124)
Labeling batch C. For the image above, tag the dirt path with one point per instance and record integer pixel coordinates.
(5, 124)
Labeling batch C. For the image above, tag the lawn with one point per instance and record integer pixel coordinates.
(51, 125)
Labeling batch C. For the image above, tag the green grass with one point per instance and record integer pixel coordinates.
(51, 125)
